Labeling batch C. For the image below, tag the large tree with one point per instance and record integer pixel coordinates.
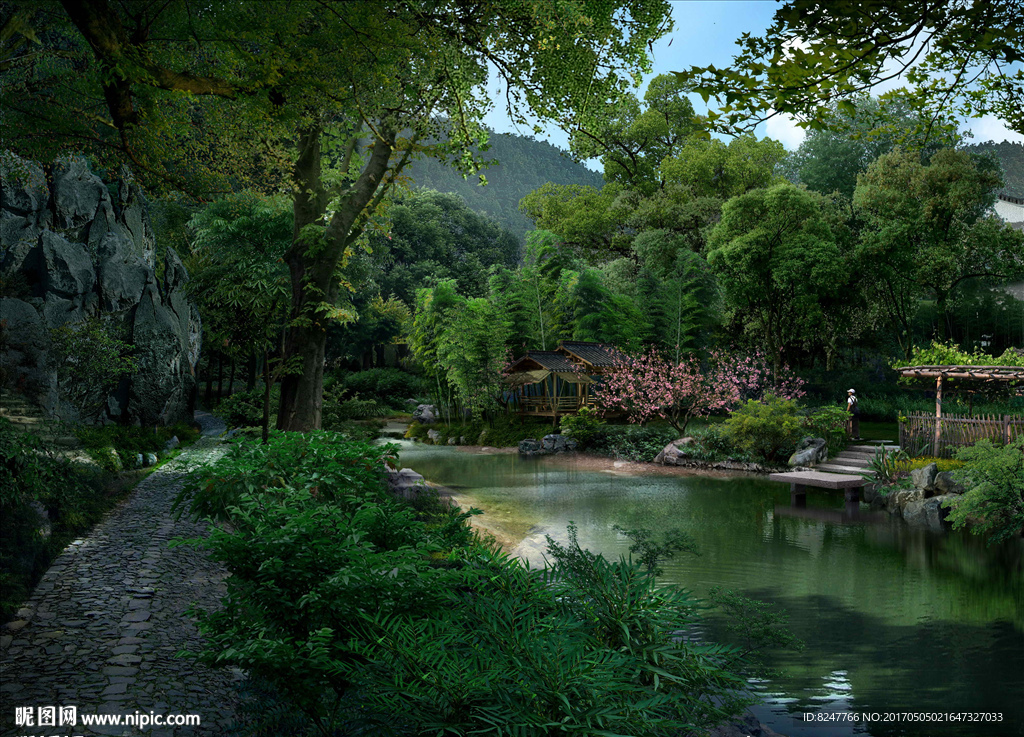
(328, 99)
(961, 56)
(928, 232)
(776, 258)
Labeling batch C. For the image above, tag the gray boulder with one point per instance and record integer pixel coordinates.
(172, 443)
(809, 451)
(924, 478)
(557, 443)
(897, 501)
(531, 447)
(927, 513)
(149, 459)
(433, 436)
(405, 483)
(453, 441)
(673, 453)
(425, 414)
(78, 253)
(944, 483)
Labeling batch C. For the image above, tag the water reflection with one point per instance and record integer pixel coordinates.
(894, 619)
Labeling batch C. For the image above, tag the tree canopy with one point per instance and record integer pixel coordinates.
(330, 100)
(960, 56)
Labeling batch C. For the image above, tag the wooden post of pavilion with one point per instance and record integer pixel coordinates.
(938, 416)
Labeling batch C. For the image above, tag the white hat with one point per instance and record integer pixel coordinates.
(850, 391)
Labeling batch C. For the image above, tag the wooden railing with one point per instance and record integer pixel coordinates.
(918, 432)
(538, 405)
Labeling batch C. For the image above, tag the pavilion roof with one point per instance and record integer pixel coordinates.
(979, 373)
(600, 355)
(549, 360)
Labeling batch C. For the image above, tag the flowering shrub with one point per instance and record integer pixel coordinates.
(648, 385)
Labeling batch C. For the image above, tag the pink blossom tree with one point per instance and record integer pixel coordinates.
(649, 385)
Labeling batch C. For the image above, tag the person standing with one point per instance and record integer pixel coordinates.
(854, 410)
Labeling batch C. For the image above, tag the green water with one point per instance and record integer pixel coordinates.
(894, 619)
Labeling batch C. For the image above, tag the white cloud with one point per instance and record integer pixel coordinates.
(991, 128)
(784, 128)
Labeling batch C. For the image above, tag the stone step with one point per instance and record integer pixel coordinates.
(845, 460)
(871, 448)
(854, 454)
(837, 468)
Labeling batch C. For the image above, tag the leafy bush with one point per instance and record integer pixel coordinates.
(339, 408)
(389, 386)
(89, 361)
(828, 422)
(336, 599)
(245, 409)
(766, 430)
(33, 479)
(994, 501)
(325, 464)
(888, 468)
(129, 440)
(631, 442)
(583, 426)
(502, 432)
(710, 444)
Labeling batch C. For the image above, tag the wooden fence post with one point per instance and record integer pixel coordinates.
(938, 416)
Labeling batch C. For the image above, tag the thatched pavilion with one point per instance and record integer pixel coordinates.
(560, 382)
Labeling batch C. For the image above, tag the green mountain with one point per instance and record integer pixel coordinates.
(1011, 157)
(524, 164)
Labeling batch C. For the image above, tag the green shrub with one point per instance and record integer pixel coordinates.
(337, 597)
(338, 408)
(631, 442)
(768, 431)
(128, 440)
(582, 426)
(33, 478)
(245, 409)
(829, 423)
(389, 386)
(994, 502)
(710, 444)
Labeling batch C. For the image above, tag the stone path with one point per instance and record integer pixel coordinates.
(103, 627)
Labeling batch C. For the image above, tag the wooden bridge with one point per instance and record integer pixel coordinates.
(842, 472)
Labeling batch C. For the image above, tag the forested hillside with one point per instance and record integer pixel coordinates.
(524, 164)
(1011, 156)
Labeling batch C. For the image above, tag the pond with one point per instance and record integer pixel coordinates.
(893, 619)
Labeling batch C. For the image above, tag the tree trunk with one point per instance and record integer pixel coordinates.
(208, 397)
(250, 372)
(317, 248)
(231, 380)
(220, 376)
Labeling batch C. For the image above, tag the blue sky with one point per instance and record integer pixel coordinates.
(705, 33)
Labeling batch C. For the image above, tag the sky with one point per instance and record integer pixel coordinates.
(705, 32)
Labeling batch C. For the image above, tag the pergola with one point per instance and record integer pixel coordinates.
(983, 374)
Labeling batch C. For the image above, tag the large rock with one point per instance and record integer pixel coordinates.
(557, 443)
(944, 483)
(531, 447)
(809, 451)
(73, 252)
(927, 513)
(898, 500)
(425, 414)
(924, 478)
(673, 453)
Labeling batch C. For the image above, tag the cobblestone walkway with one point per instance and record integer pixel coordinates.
(103, 627)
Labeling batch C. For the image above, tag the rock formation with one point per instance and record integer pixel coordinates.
(72, 247)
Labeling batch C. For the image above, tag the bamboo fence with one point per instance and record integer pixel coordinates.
(917, 432)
